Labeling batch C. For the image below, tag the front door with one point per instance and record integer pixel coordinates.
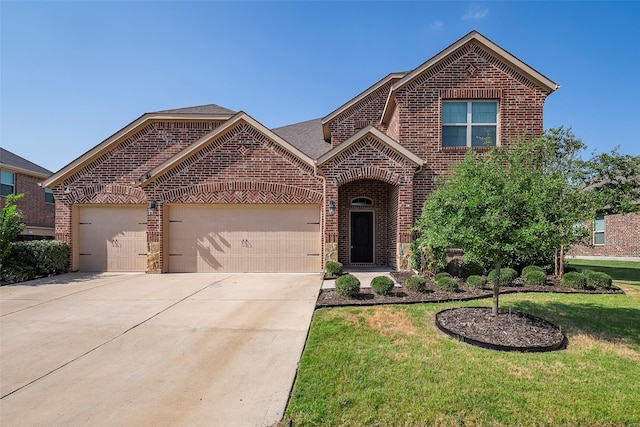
(361, 237)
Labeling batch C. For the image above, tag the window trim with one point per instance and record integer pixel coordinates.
(599, 232)
(362, 201)
(12, 185)
(469, 124)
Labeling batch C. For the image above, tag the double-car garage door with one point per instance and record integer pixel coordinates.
(203, 238)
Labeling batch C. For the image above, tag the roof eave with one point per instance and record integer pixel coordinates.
(24, 171)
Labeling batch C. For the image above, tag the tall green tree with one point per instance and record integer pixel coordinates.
(11, 225)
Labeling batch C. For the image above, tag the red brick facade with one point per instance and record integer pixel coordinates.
(621, 239)
(385, 145)
(38, 215)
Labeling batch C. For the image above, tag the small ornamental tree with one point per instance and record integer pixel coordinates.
(11, 225)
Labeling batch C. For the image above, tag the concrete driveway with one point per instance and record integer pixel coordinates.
(152, 350)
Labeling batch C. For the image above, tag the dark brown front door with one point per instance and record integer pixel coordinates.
(361, 237)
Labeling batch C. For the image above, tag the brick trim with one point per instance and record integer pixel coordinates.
(368, 173)
(110, 193)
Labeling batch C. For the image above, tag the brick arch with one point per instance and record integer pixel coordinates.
(379, 174)
(109, 194)
(242, 192)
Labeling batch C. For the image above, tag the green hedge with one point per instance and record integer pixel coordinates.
(415, 283)
(382, 285)
(534, 277)
(507, 276)
(35, 258)
(574, 280)
(599, 279)
(348, 285)
(447, 284)
(476, 282)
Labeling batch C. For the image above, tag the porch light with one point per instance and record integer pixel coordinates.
(332, 207)
(152, 207)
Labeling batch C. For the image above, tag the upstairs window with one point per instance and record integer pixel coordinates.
(598, 230)
(7, 183)
(48, 195)
(469, 123)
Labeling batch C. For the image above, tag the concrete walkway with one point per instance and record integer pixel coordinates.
(364, 274)
(152, 350)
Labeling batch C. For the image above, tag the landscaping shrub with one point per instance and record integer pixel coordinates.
(575, 280)
(447, 284)
(382, 285)
(348, 285)
(36, 258)
(597, 278)
(440, 276)
(476, 282)
(415, 283)
(507, 276)
(471, 268)
(534, 277)
(333, 268)
(586, 273)
(529, 268)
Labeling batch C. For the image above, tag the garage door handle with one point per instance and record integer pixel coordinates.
(313, 254)
(175, 254)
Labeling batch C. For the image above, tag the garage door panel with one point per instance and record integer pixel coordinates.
(112, 238)
(244, 238)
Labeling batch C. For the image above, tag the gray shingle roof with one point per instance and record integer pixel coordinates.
(306, 137)
(13, 160)
(200, 109)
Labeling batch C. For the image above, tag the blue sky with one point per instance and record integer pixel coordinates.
(73, 73)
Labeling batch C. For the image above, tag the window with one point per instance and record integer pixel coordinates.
(469, 123)
(48, 195)
(7, 183)
(598, 230)
(362, 201)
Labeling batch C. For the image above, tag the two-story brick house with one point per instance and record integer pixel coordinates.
(19, 175)
(209, 189)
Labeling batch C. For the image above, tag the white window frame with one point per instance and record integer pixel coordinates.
(597, 232)
(13, 184)
(469, 123)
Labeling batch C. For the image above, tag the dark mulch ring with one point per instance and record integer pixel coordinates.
(475, 325)
(329, 298)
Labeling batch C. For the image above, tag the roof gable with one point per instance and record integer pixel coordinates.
(523, 69)
(195, 113)
(240, 117)
(385, 139)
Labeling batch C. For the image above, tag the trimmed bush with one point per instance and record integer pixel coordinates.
(382, 285)
(447, 284)
(440, 276)
(476, 282)
(36, 258)
(599, 279)
(348, 285)
(415, 283)
(529, 268)
(534, 277)
(507, 276)
(471, 268)
(333, 268)
(573, 279)
(586, 273)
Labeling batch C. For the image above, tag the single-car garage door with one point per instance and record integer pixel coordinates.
(244, 238)
(112, 238)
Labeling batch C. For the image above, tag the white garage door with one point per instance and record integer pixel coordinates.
(112, 238)
(244, 238)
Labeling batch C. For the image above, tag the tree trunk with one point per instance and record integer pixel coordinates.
(561, 260)
(556, 267)
(496, 288)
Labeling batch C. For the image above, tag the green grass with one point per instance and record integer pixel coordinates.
(390, 366)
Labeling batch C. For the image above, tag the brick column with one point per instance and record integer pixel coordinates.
(331, 223)
(405, 223)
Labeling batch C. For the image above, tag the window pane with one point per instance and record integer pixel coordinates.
(482, 136)
(484, 112)
(454, 136)
(599, 223)
(48, 196)
(7, 178)
(454, 112)
(598, 239)
(5, 189)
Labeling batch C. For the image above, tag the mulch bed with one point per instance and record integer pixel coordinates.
(507, 331)
(330, 298)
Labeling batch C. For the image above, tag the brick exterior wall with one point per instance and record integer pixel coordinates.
(621, 238)
(36, 212)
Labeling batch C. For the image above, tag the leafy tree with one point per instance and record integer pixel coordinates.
(11, 225)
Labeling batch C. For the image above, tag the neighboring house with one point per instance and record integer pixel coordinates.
(209, 189)
(612, 236)
(18, 175)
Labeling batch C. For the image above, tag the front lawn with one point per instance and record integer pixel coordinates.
(390, 366)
